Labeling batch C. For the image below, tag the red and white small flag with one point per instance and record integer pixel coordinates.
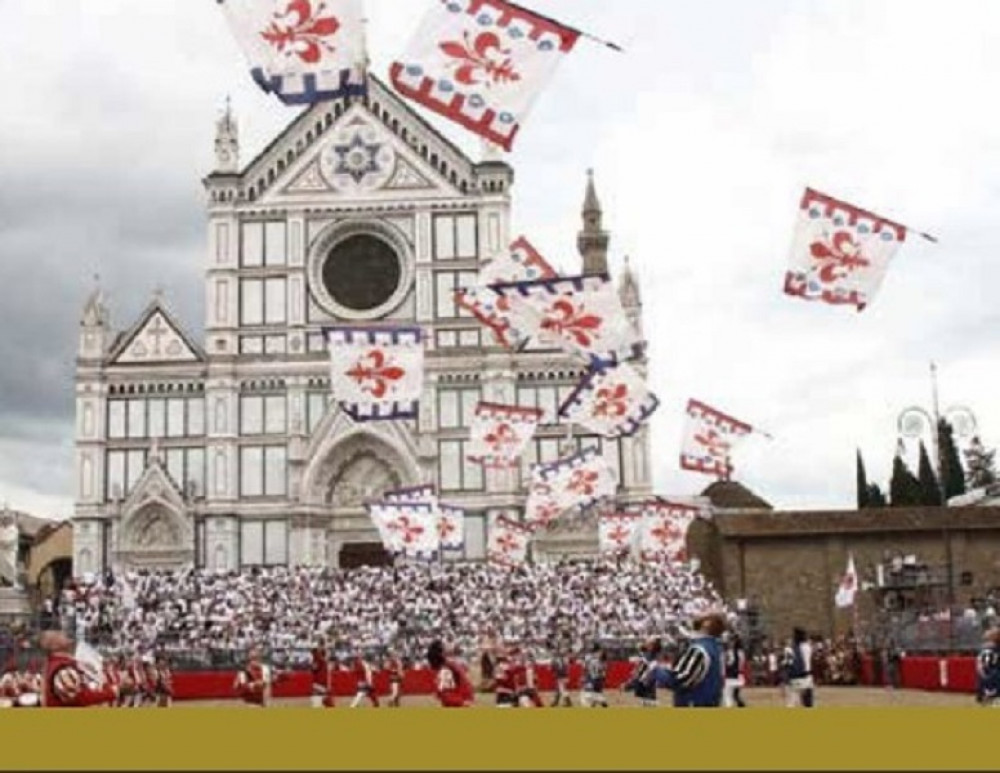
(848, 586)
(449, 520)
(523, 264)
(482, 64)
(408, 529)
(302, 51)
(664, 530)
(841, 253)
(618, 533)
(709, 439)
(508, 542)
(377, 374)
(574, 483)
(582, 315)
(501, 433)
(613, 402)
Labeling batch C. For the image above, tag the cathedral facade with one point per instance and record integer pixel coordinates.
(227, 451)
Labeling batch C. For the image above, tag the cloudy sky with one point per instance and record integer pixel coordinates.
(702, 136)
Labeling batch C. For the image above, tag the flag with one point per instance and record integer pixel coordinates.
(500, 433)
(617, 533)
(508, 542)
(449, 520)
(302, 51)
(451, 527)
(574, 483)
(664, 529)
(709, 439)
(408, 529)
(840, 253)
(582, 315)
(848, 586)
(377, 373)
(613, 402)
(523, 263)
(481, 64)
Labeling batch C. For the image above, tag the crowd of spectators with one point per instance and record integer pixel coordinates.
(566, 606)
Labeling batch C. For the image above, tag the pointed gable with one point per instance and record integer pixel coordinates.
(155, 338)
(361, 148)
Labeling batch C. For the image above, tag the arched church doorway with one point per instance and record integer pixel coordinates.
(361, 555)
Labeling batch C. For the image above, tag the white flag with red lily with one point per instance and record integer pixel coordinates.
(481, 64)
(450, 519)
(582, 315)
(574, 483)
(618, 533)
(613, 402)
(841, 254)
(848, 586)
(709, 439)
(501, 433)
(523, 264)
(302, 51)
(508, 542)
(664, 530)
(377, 373)
(408, 529)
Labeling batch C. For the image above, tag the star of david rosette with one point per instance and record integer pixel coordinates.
(612, 401)
(581, 315)
(377, 373)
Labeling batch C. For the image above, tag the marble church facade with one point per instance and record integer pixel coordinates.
(225, 451)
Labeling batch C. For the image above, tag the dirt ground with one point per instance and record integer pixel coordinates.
(831, 697)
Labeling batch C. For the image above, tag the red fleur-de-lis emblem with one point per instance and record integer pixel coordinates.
(446, 528)
(547, 512)
(375, 374)
(714, 444)
(583, 482)
(501, 437)
(612, 402)
(563, 318)
(666, 533)
(481, 60)
(620, 535)
(410, 531)
(301, 31)
(508, 543)
(839, 256)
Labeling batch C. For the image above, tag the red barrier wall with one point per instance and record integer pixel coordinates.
(218, 685)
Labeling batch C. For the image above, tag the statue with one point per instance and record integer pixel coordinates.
(9, 543)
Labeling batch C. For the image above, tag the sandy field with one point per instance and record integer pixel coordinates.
(833, 697)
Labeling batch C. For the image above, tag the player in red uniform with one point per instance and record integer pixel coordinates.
(113, 676)
(164, 683)
(365, 675)
(253, 683)
(137, 676)
(528, 696)
(66, 683)
(151, 676)
(394, 665)
(504, 679)
(452, 686)
(323, 669)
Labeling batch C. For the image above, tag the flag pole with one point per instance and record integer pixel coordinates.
(581, 33)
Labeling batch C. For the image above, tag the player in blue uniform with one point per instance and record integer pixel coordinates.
(798, 662)
(697, 678)
(642, 683)
(595, 671)
(988, 670)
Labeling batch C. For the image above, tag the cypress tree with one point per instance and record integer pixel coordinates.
(981, 465)
(930, 491)
(876, 499)
(952, 474)
(904, 489)
(862, 484)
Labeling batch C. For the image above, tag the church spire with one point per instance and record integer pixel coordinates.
(593, 241)
(630, 295)
(227, 142)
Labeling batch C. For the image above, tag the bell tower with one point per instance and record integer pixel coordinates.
(593, 241)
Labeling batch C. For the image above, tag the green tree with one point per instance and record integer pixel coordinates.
(981, 464)
(930, 491)
(904, 489)
(876, 499)
(862, 484)
(952, 474)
